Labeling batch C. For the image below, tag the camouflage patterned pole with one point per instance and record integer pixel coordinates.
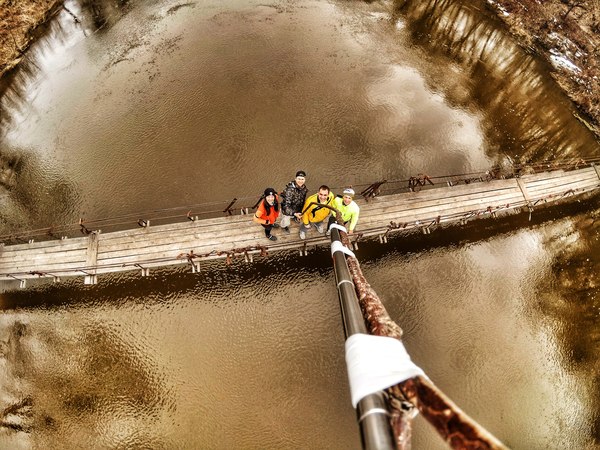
(454, 426)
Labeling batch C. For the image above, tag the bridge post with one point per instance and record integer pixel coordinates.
(91, 258)
(372, 411)
(597, 169)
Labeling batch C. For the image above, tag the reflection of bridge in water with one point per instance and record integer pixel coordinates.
(421, 203)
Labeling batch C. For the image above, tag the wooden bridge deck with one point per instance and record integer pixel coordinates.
(237, 236)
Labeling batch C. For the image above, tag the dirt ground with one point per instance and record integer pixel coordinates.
(557, 29)
(561, 31)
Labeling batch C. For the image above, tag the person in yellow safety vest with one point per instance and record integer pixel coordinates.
(349, 209)
(316, 215)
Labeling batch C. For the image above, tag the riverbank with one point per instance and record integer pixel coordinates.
(19, 20)
(563, 33)
(567, 35)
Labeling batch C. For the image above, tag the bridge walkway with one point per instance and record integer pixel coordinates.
(233, 236)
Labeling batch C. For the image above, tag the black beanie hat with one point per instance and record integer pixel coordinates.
(301, 173)
(270, 191)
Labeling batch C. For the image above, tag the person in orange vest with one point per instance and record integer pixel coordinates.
(267, 212)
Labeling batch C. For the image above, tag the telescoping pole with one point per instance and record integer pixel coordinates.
(372, 412)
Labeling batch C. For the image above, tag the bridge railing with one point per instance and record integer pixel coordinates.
(247, 205)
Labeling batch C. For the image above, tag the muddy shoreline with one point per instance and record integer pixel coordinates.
(566, 35)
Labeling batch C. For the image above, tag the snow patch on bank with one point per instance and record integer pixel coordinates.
(564, 53)
(499, 7)
(560, 61)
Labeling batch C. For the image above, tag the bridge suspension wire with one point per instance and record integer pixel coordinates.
(363, 311)
(214, 209)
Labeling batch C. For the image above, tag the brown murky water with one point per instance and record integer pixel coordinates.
(172, 103)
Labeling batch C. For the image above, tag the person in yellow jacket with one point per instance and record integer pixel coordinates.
(316, 215)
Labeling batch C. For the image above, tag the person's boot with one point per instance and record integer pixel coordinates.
(286, 229)
(271, 237)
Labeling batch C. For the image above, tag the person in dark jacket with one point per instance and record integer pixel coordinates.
(292, 200)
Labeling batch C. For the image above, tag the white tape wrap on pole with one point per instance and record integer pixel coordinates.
(339, 227)
(337, 246)
(376, 363)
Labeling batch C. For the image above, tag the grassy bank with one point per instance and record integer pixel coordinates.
(18, 21)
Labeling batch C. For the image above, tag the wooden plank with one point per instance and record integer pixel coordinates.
(562, 181)
(447, 192)
(555, 174)
(444, 201)
(402, 218)
(170, 259)
(156, 254)
(225, 234)
(567, 178)
(16, 257)
(206, 247)
(596, 169)
(193, 231)
(255, 237)
(47, 252)
(91, 259)
(198, 247)
(43, 266)
(514, 196)
(227, 237)
(51, 245)
(204, 224)
(562, 188)
(202, 247)
(50, 268)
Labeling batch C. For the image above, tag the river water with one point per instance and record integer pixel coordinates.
(155, 104)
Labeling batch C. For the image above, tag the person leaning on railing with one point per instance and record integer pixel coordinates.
(349, 209)
(316, 215)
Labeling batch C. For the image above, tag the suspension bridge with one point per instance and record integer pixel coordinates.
(420, 203)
